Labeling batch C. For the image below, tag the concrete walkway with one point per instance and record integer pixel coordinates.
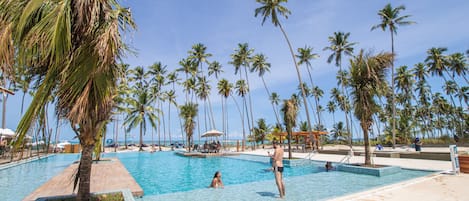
(436, 187)
(106, 176)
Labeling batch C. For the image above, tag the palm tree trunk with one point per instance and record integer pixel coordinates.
(211, 112)
(250, 101)
(84, 170)
(301, 82)
(393, 94)
(367, 145)
(141, 137)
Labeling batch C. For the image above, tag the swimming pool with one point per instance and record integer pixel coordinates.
(167, 176)
(19, 181)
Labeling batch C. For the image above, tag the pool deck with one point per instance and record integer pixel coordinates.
(435, 187)
(107, 175)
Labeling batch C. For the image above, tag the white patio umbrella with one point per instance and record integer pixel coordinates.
(6, 132)
(212, 133)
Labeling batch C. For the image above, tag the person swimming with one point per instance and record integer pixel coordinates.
(328, 166)
(216, 181)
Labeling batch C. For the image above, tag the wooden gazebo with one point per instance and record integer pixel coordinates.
(305, 135)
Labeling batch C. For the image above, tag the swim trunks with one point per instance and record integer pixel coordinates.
(280, 169)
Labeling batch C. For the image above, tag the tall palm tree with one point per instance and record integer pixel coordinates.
(305, 55)
(224, 89)
(340, 45)
(80, 45)
(270, 8)
(290, 112)
(242, 90)
(331, 108)
(260, 65)
(242, 58)
(367, 73)
(317, 93)
(390, 19)
(188, 112)
(170, 96)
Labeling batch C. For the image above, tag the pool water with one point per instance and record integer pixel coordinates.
(167, 176)
(21, 180)
(166, 172)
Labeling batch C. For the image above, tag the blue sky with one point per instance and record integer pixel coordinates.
(167, 29)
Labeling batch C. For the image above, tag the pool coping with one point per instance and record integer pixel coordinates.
(390, 187)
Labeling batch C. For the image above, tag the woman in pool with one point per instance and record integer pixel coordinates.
(216, 181)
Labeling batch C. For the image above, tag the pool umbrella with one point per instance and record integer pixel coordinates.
(212, 133)
(6, 132)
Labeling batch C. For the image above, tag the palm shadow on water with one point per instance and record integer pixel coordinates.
(266, 194)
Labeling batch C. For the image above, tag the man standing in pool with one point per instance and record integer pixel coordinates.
(277, 164)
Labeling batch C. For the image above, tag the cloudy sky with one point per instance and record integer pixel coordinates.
(167, 29)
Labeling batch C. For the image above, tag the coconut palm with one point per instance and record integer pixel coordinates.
(340, 45)
(80, 44)
(260, 65)
(390, 19)
(215, 68)
(188, 112)
(331, 108)
(170, 96)
(224, 89)
(242, 90)
(290, 113)
(457, 63)
(190, 69)
(139, 111)
(261, 130)
(242, 58)
(305, 55)
(367, 73)
(436, 61)
(270, 9)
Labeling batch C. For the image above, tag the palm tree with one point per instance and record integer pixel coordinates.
(457, 63)
(260, 65)
(390, 19)
(339, 132)
(331, 108)
(339, 45)
(290, 112)
(188, 112)
(270, 8)
(224, 89)
(317, 93)
(261, 130)
(242, 57)
(242, 89)
(215, 68)
(171, 97)
(139, 110)
(367, 73)
(80, 45)
(198, 55)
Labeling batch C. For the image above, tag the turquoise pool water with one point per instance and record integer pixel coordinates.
(166, 172)
(21, 180)
(167, 176)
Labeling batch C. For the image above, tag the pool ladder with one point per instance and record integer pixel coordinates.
(311, 154)
(346, 158)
